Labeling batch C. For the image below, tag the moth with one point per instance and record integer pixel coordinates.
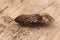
(34, 19)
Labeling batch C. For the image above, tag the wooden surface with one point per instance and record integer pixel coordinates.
(10, 9)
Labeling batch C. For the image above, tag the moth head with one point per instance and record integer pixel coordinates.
(47, 19)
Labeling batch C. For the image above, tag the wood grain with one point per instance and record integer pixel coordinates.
(10, 9)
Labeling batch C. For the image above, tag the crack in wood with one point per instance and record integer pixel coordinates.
(3, 9)
(22, 0)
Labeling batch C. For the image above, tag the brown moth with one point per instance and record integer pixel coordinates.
(34, 19)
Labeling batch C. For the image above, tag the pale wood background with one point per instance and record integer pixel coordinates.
(10, 9)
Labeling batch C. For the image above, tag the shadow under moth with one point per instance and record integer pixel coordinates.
(34, 19)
